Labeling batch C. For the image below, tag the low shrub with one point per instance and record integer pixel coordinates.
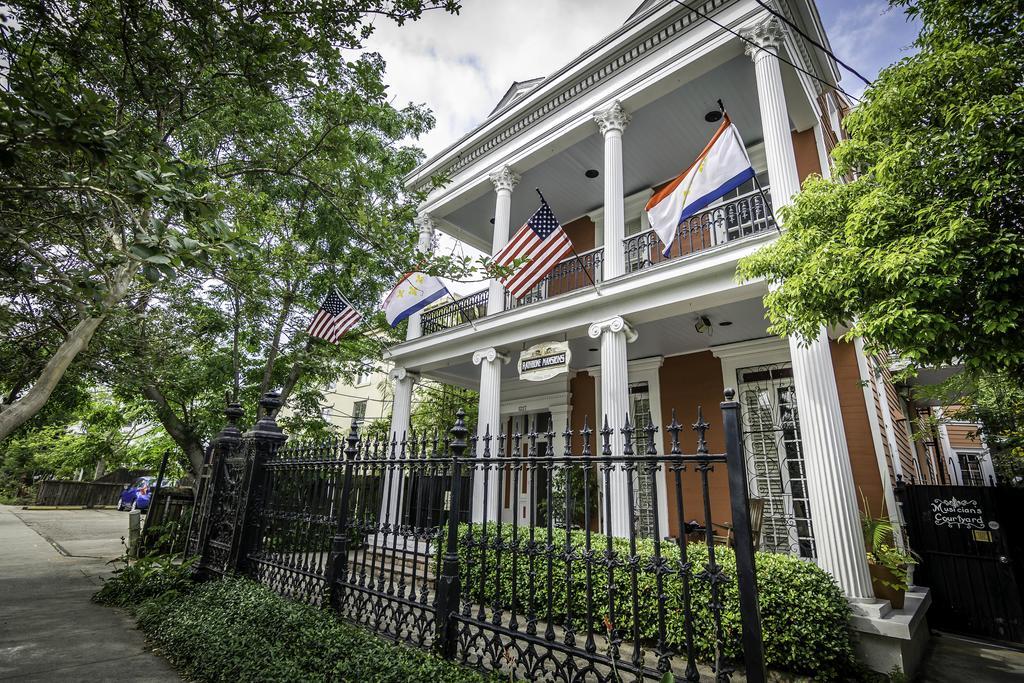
(804, 614)
(144, 579)
(237, 630)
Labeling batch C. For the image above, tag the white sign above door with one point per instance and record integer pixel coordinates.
(544, 361)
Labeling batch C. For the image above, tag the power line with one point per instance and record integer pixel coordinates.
(777, 56)
(813, 42)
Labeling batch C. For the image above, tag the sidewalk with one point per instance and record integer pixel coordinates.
(49, 629)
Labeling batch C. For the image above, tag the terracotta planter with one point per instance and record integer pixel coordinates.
(880, 573)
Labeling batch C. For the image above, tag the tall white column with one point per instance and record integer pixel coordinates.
(401, 412)
(490, 361)
(835, 515)
(426, 236)
(771, 97)
(614, 333)
(504, 180)
(611, 121)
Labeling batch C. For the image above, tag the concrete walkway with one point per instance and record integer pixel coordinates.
(956, 659)
(51, 562)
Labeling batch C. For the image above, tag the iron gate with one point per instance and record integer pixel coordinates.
(971, 543)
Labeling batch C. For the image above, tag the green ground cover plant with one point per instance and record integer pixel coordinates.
(237, 630)
(804, 614)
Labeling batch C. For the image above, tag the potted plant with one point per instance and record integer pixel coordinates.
(888, 564)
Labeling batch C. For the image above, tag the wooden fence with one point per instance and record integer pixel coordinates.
(77, 493)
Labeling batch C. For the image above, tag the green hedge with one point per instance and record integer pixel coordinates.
(237, 630)
(804, 614)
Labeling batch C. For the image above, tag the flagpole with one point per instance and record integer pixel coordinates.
(760, 190)
(573, 248)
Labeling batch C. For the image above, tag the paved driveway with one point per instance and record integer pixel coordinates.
(51, 563)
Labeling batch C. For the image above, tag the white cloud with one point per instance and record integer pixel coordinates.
(460, 66)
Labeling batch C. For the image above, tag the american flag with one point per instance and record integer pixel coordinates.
(335, 317)
(542, 242)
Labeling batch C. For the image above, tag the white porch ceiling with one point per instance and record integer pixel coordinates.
(664, 337)
(661, 140)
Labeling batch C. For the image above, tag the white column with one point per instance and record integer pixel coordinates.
(614, 333)
(611, 122)
(835, 514)
(504, 180)
(490, 361)
(401, 411)
(426, 236)
(771, 98)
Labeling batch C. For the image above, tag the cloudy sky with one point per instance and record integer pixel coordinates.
(460, 66)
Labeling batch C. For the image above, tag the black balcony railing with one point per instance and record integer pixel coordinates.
(569, 275)
(455, 313)
(733, 220)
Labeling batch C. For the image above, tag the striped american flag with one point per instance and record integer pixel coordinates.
(542, 242)
(335, 317)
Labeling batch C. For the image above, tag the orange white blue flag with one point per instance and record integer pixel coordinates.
(413, 293)
(720, 168)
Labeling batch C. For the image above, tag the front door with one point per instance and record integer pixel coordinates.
(970, 540)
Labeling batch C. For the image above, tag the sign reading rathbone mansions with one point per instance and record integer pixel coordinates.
(544, 361)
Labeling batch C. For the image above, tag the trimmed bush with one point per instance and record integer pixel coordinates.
(237, 630)
(804, 614)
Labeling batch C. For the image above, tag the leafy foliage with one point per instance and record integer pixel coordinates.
(156, 155)
(995, 401)
(804, 614)
(237, 630)
(921, 252)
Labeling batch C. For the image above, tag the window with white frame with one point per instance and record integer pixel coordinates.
(640, 416)
(359, 413)
(363, 373)
(970, 469)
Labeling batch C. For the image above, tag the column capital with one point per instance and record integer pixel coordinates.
(613, 324)
(504, 179)
(399, 374)
(426, 225)
(612, 117)
(489, 354)
(765, 37)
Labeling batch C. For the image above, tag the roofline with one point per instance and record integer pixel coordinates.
(609, 41)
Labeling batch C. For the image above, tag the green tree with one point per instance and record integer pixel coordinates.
(921, 251)
(126, 128)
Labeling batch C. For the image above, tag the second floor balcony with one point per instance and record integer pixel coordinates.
(734, 219)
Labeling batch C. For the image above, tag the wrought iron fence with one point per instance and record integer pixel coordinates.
(411, 539)
(455, 313)
(735, 219)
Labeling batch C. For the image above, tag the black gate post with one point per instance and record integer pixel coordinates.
(337, 566)
(229, 439)
(263, 441)
(746, 576)
(449, 585)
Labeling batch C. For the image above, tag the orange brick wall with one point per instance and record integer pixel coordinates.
(863, 460)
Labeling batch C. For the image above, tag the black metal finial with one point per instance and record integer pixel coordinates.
(651, 431)
(459, 432)
(586, 433)
(567, 439)
(627, 432)
(730, 394)
(606, 436)
(673, 428)
(351, 449)
(701, 427)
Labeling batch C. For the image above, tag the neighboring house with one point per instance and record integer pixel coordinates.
(360, 401)
(823, 424)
